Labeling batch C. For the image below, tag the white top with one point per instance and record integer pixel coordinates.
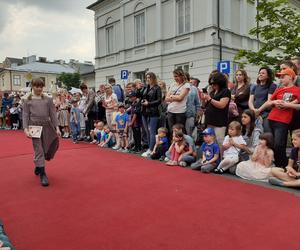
(233, 151)
(82, 103)
(178, 107)
(109, 100)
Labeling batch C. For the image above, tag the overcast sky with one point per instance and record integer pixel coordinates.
(56, 29)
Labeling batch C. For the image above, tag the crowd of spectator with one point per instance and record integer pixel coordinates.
(240, 127)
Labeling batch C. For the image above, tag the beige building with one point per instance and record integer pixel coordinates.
(16, 76)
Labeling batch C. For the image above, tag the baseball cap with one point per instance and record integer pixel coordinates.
(208, 131)
(287, 71)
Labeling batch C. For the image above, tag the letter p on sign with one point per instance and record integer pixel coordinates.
(124, 74)
(224, 67)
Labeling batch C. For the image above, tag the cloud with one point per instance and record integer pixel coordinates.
(35, 29)
(61, 5)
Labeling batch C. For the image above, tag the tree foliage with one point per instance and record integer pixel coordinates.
(70, 79)
(278, 30)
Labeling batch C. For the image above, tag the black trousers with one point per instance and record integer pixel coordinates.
(174, 118)
(137, 137)
(160, 151)
(89, 124)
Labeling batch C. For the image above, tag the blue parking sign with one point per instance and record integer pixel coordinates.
(124, 74)
(224, 67)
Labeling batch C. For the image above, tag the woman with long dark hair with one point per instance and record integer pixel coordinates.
(241, 92)
(262, 92)
(217, 105)
(150, 102)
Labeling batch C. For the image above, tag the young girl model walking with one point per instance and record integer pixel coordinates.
(39, 110)
(258, 168)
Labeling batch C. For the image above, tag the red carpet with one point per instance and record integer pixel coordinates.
(99, 199)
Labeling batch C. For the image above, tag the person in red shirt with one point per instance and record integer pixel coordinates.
(279, 117)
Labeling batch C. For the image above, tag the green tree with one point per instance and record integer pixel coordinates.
(70, 79)
(278, 29)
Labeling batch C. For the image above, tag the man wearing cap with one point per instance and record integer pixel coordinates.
(280, 117)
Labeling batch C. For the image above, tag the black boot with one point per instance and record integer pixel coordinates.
(44, 178)
(37, 170)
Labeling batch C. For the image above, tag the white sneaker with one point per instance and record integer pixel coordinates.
(115, 147)
(166, 159)
(147, 153)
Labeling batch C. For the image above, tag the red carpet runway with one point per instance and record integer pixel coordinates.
(100, 199)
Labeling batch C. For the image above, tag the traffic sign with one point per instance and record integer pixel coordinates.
(124, 74)
(224, 67)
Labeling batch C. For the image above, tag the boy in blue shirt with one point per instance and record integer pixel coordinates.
(122, 120)
(210, 153)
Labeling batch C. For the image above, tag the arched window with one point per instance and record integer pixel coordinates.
(110, 36)
(183, 16)
(139, 24)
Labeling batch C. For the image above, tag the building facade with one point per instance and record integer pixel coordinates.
(161, 35)
(15, 75)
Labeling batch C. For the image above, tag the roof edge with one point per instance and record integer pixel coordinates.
(90, 7)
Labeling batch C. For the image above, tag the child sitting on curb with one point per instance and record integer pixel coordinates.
(210, 153)
(107, 140)
(177, 149)
(290, 176)
(161, 144)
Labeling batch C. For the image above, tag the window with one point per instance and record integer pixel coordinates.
(140, 75)
(110, 39)
(17, 80)
(108, 77)
(183, 16)
(139, 24)
(185, 67)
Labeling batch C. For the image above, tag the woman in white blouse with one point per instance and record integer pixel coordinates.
(177, 98)
(110, 102)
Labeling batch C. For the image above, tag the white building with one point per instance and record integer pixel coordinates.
(160, 35)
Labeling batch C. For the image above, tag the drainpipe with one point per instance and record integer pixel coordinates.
(219, 30)
(257, 23)
(10, 80)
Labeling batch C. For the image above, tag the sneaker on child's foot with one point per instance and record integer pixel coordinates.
(147, 153)
(182, 164)
(115, 147)
(219, 171)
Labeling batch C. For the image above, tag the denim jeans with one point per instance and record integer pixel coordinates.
(150, 126)
(75, 127)
(280, 133)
